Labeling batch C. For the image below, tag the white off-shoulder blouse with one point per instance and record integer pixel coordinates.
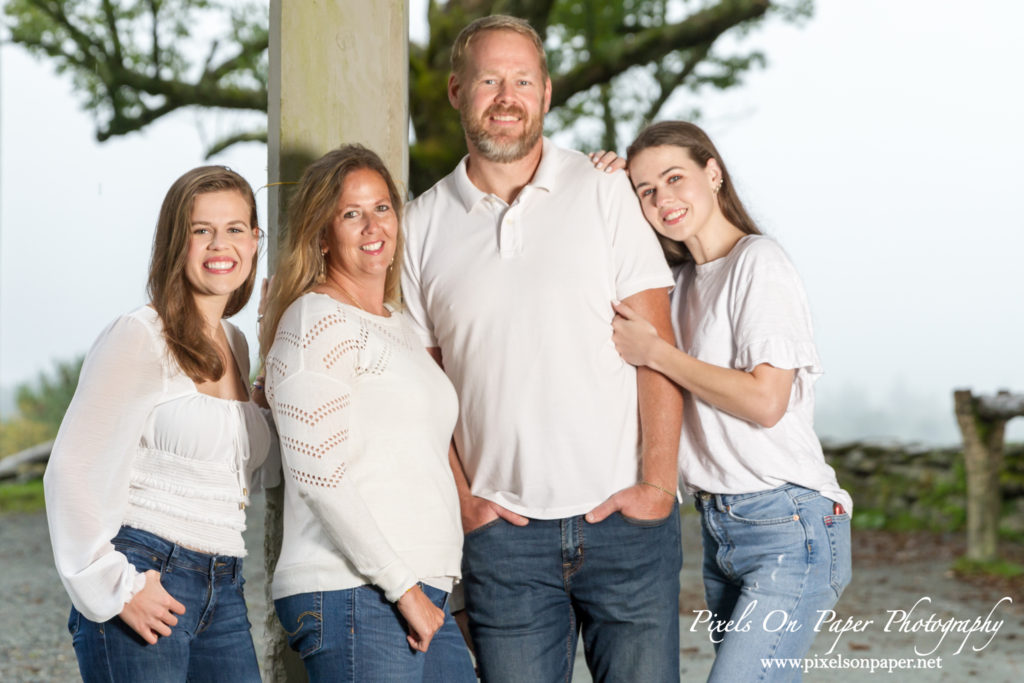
(140, 446)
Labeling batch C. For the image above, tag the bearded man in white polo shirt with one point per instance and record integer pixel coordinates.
(564, 455)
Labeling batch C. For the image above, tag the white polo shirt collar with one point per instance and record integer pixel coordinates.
(543, 179)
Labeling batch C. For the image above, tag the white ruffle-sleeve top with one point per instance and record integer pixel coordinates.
(141, 446)
(738, 311)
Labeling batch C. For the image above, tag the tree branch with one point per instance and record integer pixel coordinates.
(536, 12)
(87, 45)
(653, 43)
(115, 39)
(120, 124)
(668, 82)
(248, 51)
(224, 143)
(154, 11)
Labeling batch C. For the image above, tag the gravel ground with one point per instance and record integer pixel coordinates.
(891, 572)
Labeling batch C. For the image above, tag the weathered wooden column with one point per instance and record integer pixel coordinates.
(339, 73)
(982, 421)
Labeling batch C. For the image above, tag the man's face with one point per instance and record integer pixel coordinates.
(502, 96)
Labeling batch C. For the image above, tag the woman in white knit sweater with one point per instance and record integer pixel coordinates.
(149, 475)
(372, 536)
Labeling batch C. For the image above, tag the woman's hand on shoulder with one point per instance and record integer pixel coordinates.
(151, 613)
(422, 617)
(609, 161)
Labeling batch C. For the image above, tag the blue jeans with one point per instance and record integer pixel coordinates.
(358, 635)
(211, 641)
(772, 560)
(531, 589)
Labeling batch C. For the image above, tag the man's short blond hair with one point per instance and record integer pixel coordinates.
(495, 22)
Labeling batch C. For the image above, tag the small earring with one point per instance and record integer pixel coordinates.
(717, 187)
(322, 275)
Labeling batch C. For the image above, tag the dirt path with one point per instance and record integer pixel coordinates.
(891, 572)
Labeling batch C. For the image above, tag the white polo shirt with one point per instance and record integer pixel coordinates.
(518, 298)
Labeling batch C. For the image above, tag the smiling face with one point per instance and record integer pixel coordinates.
(676, 193)
(222, 243)
(361, 240)
(502, 95)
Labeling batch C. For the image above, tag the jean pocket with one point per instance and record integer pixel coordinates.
(302, 618)
(143, 559)
(648, 523)
(837, 527)
(484, 527)
(142, 556)
(771, 509)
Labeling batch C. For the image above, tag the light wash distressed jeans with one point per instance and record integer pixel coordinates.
(772, 560)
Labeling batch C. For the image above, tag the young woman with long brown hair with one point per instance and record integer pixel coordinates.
(776, 525)
(150, 473)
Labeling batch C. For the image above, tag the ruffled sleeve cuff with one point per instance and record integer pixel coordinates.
(784, 354)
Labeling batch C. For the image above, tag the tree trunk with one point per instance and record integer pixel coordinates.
(338, 74)
(983, 459)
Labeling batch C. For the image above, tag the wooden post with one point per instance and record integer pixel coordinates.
(339, 73)
(982, 422)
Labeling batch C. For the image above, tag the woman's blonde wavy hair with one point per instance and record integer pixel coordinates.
(310, 215)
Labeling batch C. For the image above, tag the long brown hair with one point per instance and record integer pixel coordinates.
(310, 215)
(700, 148)
(169, 289)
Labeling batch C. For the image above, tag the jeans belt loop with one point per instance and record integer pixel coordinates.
(717, 497)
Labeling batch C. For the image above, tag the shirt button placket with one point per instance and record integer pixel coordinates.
(509, 231)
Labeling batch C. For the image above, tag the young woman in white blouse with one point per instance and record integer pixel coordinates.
(372, 537)
(775, 522)
(149, 476)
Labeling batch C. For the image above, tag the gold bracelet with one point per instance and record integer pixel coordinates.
(655, 486)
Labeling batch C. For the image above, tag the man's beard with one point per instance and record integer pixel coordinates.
(502, 149)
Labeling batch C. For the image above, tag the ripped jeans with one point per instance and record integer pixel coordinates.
(772, 560)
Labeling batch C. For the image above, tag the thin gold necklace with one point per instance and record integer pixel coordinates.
(358, 304)
(351, 296)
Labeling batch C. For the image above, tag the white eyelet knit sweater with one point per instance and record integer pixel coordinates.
(365, 417)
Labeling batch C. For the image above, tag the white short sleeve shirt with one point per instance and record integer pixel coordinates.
(518, 298)
(739, 311)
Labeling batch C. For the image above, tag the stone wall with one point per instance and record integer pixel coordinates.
(896, 486)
